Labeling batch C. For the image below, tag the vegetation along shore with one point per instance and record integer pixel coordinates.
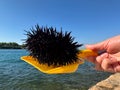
(11, 45)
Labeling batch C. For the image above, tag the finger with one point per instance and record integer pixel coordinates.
(98, 63)
(99, 60)
(98, 46)
(116, 67)
(107, 64)
(105, 55)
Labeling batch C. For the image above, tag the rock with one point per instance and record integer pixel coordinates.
(111, 83)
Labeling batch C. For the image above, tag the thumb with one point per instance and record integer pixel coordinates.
(96, 47)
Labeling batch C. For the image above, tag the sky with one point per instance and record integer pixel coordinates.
(89, 21)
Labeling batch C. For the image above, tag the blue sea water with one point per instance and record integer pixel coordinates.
(16, 74)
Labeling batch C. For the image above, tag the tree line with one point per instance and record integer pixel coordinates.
(11, 45)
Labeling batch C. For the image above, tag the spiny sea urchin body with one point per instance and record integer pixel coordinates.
(51, 47)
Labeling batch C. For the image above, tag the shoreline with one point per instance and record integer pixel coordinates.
(12, 49)
(111, 83)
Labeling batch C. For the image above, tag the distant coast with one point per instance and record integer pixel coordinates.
(11, 45)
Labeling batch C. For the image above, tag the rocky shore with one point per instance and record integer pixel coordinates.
(111, 83)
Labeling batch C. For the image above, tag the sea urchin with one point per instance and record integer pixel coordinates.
(52, 47)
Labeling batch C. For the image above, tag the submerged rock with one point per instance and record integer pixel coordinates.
(111, 83)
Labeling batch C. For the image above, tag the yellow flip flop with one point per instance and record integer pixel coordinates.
(70, 68)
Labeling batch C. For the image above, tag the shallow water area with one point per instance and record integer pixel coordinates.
(16, 74)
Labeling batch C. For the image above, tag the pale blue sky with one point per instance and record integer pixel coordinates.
(90, 21)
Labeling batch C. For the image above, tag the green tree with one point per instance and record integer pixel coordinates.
(10, 45)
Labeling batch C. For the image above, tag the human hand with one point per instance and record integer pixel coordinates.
(110, 60)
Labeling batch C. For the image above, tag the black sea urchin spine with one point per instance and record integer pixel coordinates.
(52, 47)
